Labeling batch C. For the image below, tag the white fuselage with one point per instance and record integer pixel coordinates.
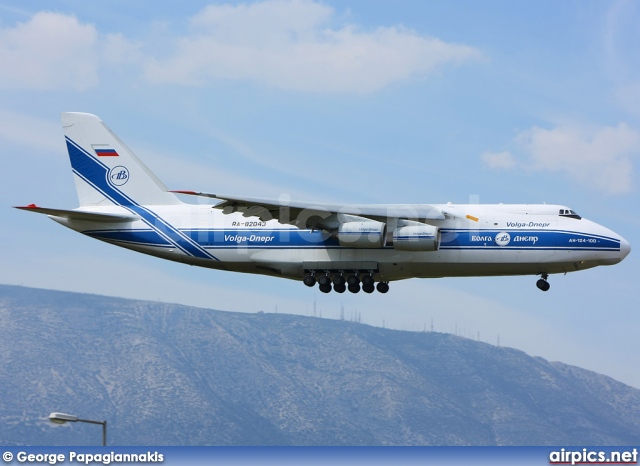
(336, 246)
(475, 240)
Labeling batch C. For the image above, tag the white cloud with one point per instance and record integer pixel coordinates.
(503, 160)
(50, 51)
(32, 132)
(601, 158)
(117, 49)
(287, 44)
(290, 45)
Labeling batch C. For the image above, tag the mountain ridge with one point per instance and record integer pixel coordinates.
(167, 374)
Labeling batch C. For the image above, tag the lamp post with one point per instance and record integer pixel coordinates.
(61, 418)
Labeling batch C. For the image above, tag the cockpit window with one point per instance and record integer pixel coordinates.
(569, 213)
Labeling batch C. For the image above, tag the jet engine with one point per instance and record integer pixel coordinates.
(366, 234)
(416, 238)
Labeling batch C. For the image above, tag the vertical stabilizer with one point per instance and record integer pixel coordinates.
(106, 172)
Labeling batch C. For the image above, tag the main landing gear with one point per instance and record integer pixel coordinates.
(543, 284)
(345, 281)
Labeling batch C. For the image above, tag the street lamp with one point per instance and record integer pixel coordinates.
(61, 418)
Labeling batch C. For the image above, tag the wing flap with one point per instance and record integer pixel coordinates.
(79, 214)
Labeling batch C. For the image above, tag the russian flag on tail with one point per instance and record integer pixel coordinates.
(106, 152)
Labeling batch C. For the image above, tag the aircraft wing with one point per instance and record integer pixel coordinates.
(319, 215)
(79, 214)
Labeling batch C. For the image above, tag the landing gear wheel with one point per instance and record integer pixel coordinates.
(367, 280)
(543, 284)
(354, 288)
(353, 280)
(326, 288)
(338, 280)
(340, 288)
(309, 280)
(382, 287)
(367, 287)
(324, 280)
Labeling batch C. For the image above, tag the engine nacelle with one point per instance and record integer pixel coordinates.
(367, 234)
(416, 238)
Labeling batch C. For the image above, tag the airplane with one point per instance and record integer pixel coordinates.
(337, 246)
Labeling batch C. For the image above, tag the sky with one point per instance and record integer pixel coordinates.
(352, 101)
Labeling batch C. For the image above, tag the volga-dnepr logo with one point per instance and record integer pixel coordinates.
(503, 238)
(118, 175)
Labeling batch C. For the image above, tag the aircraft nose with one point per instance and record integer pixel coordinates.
(625, 248)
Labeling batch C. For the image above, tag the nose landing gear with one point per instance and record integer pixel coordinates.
(543, 284)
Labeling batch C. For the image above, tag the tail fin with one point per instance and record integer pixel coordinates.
(106, 172)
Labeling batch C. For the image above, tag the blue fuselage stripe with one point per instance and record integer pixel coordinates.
(555, 240)
(526, 240)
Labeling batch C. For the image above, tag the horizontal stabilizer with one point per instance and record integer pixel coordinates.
(79, 214)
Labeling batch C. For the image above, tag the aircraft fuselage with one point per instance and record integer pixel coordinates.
(476, 240)
(333, 245)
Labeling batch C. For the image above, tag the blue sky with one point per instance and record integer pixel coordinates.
(351, 101)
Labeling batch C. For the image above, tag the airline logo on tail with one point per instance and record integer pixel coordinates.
(118, 175)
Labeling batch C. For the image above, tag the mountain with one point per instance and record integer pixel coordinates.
(165, 374)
